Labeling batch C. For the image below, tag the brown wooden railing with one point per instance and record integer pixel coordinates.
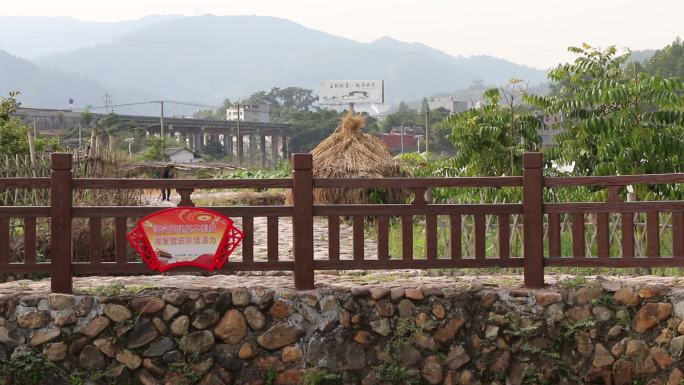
(541, 222)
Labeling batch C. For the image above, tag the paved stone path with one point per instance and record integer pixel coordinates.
(283, 281)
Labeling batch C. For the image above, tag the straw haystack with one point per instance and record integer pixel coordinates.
(349, 153)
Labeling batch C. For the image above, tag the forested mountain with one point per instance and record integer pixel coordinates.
(212, 57)
(30, 37)
(44, 88)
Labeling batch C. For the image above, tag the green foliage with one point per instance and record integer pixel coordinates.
(395, 374)
(392, 372)
(282, 171)
(155, 150)
(215, 114)
(440, 133)
(531, 349)
(607, 301)
(110, 290)
(115, 289)
(25, 368)
(279, 100)
(573, 282)
(404, 116)
(534, 378)
(617, 120)
(270, 377)
(320, 376)
(523, 345)
(308, 127)
(190, 375)
(623, 317)
(14, 134)
(290, 97)
(668, 62)
(490, 140)
(515, 329)
(80, 378)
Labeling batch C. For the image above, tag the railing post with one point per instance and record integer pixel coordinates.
(533, 205)
(302, 220)
(60, 223)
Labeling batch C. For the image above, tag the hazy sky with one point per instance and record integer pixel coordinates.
(532, 32)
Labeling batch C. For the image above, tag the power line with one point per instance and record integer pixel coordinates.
(107, 99)
(107, 106)
(190, 104)
(114, 105)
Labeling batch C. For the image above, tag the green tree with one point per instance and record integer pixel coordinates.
(215, 114)
(440, 132)
(297, 98)
(404, 116)
(617, 120)
(491, 140)
(669, 61)
(13, 134)
(308, 128)
(279, 100)
(155, 149)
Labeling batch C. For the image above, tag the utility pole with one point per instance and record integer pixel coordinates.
(239, 137)
(427, 131)
(107, 99)
(161, 125)
(32, 146)
(402, 138)
(161, 119)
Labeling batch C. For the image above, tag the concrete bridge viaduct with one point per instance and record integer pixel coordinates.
(255, 143)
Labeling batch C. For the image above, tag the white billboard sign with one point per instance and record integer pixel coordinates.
(351, 91)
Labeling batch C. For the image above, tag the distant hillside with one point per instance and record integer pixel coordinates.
(209, 58)
(30, 37)
(43, 88)
(643, 55)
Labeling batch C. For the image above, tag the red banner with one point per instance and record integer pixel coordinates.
(185, 236)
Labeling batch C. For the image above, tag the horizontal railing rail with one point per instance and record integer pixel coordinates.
(16, 183)
(112, 183)
(622, 180)
(303, 236)
(499, 181)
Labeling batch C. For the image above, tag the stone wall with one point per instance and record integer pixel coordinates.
(602, 332)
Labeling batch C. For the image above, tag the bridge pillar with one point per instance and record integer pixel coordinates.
(228, 143)
(252, 149)
(262, 149)
(240, 148)
(274, 150)
(198, 142)
(191, 141)
(284, 147)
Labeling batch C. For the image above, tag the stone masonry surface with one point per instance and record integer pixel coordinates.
(387, 329)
